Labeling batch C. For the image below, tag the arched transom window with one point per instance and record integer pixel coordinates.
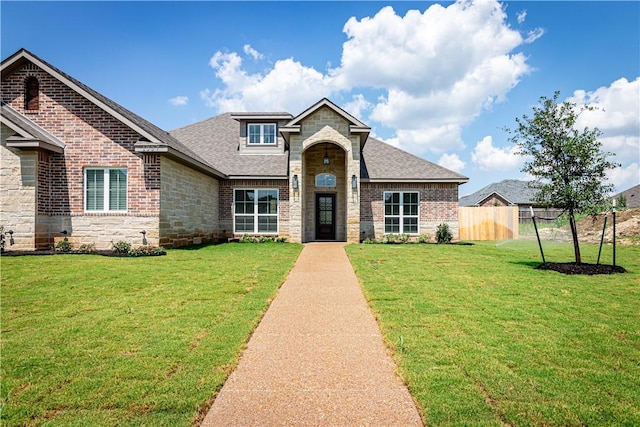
(325, 180)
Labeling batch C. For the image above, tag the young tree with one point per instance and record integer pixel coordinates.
(568, 165)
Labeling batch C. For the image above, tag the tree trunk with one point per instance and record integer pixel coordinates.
(574, 234)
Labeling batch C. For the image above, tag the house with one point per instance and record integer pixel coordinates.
(507, 192)
(631, 196)
(77, 164)
(511, 192)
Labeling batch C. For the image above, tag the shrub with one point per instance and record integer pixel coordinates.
(389, 238)
(370, 241)
(424, 238)
(64, 246)
(261, 239)
(121, 247)
(147, 251)
(86, 248)
(443, 234)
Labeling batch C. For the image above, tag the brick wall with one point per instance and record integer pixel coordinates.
(226, 202)
(438, 204)
(93, 138)
(494, 200)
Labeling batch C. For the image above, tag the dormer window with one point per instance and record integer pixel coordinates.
(261, 133)
(32, 94)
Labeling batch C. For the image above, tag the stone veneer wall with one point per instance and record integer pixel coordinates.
(226, 202)
(188, 206)
(18, 187)
(93, 138)
(312, 166)
(438, 204)
(323, 126)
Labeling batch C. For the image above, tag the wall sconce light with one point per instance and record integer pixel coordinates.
(354, 182)
(11, 241)
(295, 182)
(144, 237)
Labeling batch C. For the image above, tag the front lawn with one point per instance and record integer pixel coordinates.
(91, 340)
(483, 338)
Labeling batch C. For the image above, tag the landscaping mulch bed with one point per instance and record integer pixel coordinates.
(589, 269)
(108, 253)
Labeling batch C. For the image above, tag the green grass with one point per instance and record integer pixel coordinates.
(482, 338)
(91, 340)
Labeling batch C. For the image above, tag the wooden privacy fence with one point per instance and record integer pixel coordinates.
(488, 223)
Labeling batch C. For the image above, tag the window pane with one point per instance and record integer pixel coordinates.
(117, 190)
(325, 180)
(269, 134)
(267, 224)
(388, 197)
(244, 224)
(391, 225)
(410, 225)
(95, 190)
(267, 201)
(410, 198)
(254, 134)
(244, 201)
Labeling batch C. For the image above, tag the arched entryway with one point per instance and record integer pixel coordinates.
(325, 192)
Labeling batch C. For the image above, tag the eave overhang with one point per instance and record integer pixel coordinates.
(274, 177)
(148, 147)
(421, 180)
(22, 143)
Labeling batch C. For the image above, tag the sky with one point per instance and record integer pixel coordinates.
(442, 80)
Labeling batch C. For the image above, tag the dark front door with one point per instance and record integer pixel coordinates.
(325, 216)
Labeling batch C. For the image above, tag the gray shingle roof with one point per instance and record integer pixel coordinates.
(514, 191)
(632, 195)
(216, 140)
(381, 161)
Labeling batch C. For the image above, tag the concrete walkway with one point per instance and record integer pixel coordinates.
(317, 358)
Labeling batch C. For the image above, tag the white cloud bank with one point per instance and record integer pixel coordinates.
(617, 115)
(437, 71)
(487, 157)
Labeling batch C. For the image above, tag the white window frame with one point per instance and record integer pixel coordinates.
(401, 214)
(262, 133)
(105, 190)
(256, 215)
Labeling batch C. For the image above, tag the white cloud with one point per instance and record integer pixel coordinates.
(179, 100)
(437, 70)
(357, 106)
(625, 177)
(487, 157)
(247, 49)
(452, 161)
(288, 86)
(617, 115)
(521, 16)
